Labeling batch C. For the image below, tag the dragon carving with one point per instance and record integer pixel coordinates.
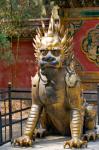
(57, 100)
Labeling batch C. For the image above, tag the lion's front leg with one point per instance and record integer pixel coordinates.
(76, 127)
(27, 138)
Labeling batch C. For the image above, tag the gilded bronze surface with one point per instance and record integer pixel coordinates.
(57, 100)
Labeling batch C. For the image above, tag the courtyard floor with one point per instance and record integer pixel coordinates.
(50, 143)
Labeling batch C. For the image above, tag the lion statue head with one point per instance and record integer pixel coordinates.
(53, 47)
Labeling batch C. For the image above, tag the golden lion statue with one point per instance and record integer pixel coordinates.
(57, 100)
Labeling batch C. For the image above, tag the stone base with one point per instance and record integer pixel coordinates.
(50, 143)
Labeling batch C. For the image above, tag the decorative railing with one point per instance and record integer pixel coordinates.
(7, 98)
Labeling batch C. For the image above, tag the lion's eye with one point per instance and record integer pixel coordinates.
(44, 52)
(56, 52)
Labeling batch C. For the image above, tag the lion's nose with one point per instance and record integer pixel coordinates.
(48, 59)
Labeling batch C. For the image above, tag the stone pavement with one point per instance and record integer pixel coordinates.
(50, 143)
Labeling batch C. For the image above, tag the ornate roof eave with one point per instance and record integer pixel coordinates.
(24, 28)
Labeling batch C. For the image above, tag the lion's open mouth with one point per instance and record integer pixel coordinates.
(44, 65)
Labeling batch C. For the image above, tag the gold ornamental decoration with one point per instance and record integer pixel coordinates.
(90, 45)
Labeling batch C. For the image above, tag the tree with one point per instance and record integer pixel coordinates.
(12, 12)
(5, 49)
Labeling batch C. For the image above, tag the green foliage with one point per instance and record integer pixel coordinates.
(12, 12)
(5, 49)
(4, 43)
(28, 9)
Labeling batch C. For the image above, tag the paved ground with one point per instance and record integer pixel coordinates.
(50, 143)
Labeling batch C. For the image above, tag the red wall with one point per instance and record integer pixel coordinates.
(20, 72)
(86, 27)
